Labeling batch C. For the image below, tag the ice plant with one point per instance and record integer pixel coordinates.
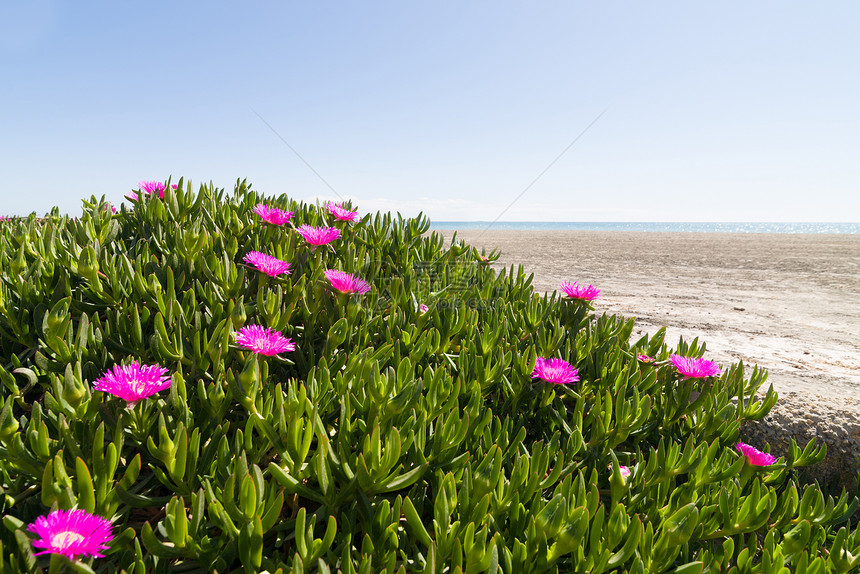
(273, 215)
(269, 265)
(342, 213)
(581, 292)
(695, 368)
(263, 341)
(133, 382)
(318, 235)
(72, 533)
(754, 456)
(422, 308)
(625, 471)
(554, 370)
(645, 359)
(150, 187)
(346, 282)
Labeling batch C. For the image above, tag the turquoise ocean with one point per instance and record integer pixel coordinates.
(693, 227)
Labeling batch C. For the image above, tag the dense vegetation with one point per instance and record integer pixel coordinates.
(392, 438)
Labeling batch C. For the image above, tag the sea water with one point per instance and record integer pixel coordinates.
(700, 227)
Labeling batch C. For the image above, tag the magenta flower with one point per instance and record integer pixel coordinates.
(133, 382)
(554, 370)
(72, 533)
(263, 341)
(695, 368)
(645, 359)
(347, 283)
(150, 187)
(625, 472)
(273, 215)
(153, 186)
(754, 456)
(342, 213)
(269, 265)
(422, 308)
(582, 292)
(318, 235)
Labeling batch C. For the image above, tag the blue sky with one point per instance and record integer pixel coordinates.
(730, 111)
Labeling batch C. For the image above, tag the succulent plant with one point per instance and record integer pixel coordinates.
(392, 426)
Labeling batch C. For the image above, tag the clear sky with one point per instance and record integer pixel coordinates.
(718, 111)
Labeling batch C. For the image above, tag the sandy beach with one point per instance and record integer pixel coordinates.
(788, 303)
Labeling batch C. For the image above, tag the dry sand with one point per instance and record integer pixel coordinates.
(788, 303)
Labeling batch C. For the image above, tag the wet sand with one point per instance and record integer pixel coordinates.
(788, 303)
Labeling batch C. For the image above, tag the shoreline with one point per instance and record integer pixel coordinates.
(784, 302)
(773, 227)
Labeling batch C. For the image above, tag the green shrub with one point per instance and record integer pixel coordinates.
(392, 439)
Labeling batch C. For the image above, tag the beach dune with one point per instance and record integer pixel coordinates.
(787, 302)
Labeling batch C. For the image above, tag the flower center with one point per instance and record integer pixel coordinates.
(65, 539)
(137, 386)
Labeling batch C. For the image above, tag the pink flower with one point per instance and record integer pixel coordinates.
(318, 235)
(625, 472)
(754, 456)
(133, 382)
(554, 370)
(263, 341)
(342, 213)
(273, 215)
(645, 359)
(422, 308)
(574, 291)
(72, 533)
(150, 187)
(346, 283)
(695, 368)
(269, 265)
